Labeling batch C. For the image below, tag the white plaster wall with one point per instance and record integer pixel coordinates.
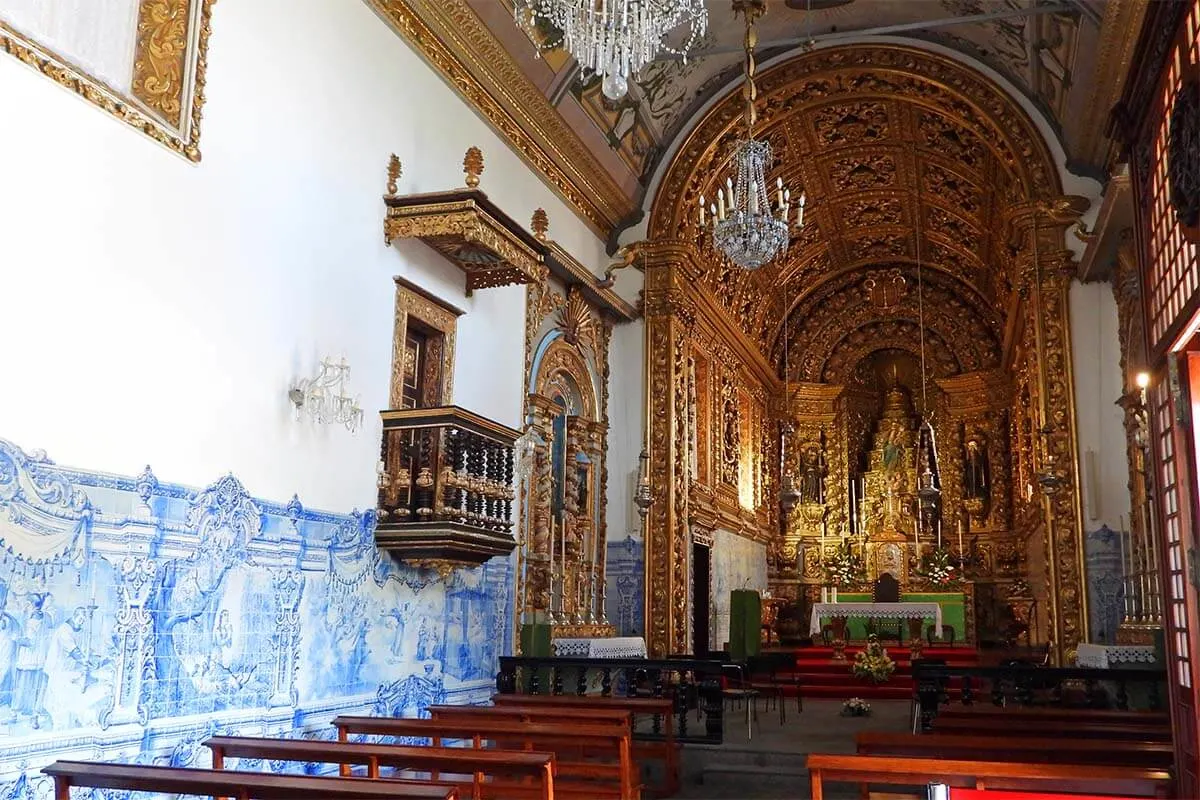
(158, 311)
(626, 426)
(1096, 358)
(737, 563)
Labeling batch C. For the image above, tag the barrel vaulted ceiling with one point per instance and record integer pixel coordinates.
(601, 156)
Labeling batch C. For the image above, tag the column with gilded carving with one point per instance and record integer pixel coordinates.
(669, 316)
(1046, 269)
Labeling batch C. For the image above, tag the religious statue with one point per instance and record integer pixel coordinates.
(812, 476)
(975, 468)
(893, 447)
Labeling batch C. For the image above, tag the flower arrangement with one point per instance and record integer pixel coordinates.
(846, 568)
(856, 707)
(873, 664)
(938, 570)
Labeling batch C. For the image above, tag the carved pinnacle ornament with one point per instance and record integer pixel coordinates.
(473, 166)
(540, 224)
(394, 170)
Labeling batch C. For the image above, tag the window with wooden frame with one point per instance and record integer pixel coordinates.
(1171, 247)
(422, 349)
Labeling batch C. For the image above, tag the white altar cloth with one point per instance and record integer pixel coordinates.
(877, 611)
(611, 647)
(1100, 656)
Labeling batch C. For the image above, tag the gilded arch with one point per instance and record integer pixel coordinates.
(904, 154)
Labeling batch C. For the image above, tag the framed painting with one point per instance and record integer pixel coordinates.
(142, 61)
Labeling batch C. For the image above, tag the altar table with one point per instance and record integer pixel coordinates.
(876, 611)
(611, 647)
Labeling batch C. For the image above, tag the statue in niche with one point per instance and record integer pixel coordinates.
(893, 447)
(732, 440)
(812, 476)
(976, 478)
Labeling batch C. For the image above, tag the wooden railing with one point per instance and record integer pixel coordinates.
(1028, 686)
(446, 489)
(691, 685)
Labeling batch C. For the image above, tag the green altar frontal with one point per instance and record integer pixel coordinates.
(954, 613)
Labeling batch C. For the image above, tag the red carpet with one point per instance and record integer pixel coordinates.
(820, 676)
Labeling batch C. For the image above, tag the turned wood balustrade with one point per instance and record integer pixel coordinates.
(446, 490)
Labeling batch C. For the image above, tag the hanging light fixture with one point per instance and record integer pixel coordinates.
(789, 495)
(929, 487)
(745, 226)
(612, 38)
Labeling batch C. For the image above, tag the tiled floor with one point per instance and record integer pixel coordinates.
(771, 765)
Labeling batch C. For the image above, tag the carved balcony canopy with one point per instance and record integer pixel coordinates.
(445, 487)
(471, 231)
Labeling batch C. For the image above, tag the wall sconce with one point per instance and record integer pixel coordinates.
(324, 396)
(1141, 411)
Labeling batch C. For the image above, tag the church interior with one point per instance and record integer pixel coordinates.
(600, 399)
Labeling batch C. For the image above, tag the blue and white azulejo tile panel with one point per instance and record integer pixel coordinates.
(624, 586)
(139, 617)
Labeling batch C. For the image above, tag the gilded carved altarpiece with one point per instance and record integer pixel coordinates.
(142, 61)
(902, 154)
(566, 365)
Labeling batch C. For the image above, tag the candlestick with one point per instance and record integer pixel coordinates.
(824, 594)
(835, 594)
(702, 207)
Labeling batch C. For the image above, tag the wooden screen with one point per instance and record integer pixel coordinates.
(1172, 260)
(1174, 467)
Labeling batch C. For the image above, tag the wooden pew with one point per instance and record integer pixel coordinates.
(1058, 778)
(1059, 750)
(992, 726)
(1159, 719)
(614, 778)
(240, 785)
(561, 715)
(435, 760)
(667, 750)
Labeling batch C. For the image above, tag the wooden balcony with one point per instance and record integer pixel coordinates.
(446, 490)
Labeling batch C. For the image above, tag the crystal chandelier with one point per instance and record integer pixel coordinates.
(745, 226)
(612, 38)
(324, 396)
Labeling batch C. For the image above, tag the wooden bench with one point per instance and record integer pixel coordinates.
(1058, 778)
(1060, 750)
(552, 714)
(241, 785)
(992, 726)
(1152, 719)
(480, 764)
(667, 749)
(612, 777)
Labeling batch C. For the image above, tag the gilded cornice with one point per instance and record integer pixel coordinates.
(572, 273)
(975, 394)
(458, 45)
(1119, 31)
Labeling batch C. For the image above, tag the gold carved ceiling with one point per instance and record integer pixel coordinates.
(892, 145)
(599, 154)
